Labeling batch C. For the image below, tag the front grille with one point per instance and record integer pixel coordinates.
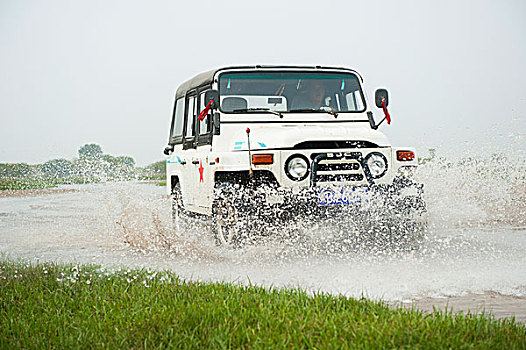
(344, 166)
(338, 166)
(339, 178)
(339, 155)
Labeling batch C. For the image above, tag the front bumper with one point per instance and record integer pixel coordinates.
(402, 197)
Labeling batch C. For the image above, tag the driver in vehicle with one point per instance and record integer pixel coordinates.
(312, 98)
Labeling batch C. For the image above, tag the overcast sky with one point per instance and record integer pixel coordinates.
(73, 72)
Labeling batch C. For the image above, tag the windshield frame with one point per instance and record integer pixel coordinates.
(300, 71)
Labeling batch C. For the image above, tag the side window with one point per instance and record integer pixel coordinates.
(190, 113)
(179, 118)
(204, 126)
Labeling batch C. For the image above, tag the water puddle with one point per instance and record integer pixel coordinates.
(473, 251)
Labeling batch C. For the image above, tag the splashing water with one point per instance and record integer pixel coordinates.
(475, 238)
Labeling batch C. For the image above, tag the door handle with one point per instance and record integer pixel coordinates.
(183, 162)
(195, 161)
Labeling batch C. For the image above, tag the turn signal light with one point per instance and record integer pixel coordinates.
(405, 155)
(262, 159)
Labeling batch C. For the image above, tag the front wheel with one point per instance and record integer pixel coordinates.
(227, 225)
(177, 204)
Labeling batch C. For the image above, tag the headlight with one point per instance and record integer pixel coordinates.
(297, 167)
(377, 164)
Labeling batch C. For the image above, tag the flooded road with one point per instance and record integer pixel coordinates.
(473, 256)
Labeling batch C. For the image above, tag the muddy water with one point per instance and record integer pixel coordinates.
(472, 257)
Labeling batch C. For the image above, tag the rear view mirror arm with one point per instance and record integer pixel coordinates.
(216, 124)
(371, 121)
(380, 123)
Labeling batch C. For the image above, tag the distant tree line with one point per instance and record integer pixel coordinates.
(153, 171)
(92, 165)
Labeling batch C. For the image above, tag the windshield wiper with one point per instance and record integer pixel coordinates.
(260, 109)
(335, 114)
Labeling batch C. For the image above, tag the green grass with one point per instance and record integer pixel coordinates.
(24, 184)
(29, 183)
(152, 177)
(67, 306)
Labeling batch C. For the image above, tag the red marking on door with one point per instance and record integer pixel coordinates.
(201, 170)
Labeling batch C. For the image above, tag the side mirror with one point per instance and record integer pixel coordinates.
(216, 124)
(379, 95)
(212, 95)
(168, 149)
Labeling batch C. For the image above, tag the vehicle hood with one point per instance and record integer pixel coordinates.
(265, 136)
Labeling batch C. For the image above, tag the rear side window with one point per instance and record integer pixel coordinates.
(179, 118)
(190, 112)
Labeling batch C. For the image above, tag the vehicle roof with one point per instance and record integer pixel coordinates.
(208, 77)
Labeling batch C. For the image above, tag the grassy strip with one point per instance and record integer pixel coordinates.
(68, 306)
(24, 184)
(152, 177)
(29, 183)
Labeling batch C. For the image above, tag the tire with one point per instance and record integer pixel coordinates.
(177, 205)
(226, 217)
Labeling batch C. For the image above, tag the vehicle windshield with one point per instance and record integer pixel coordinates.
(301, 92)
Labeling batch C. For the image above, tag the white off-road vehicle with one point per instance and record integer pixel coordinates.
(253, 145)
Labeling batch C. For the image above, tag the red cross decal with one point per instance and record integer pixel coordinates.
(201, 169)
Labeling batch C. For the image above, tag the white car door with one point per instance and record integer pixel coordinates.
(204, 192)
(188, 178)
